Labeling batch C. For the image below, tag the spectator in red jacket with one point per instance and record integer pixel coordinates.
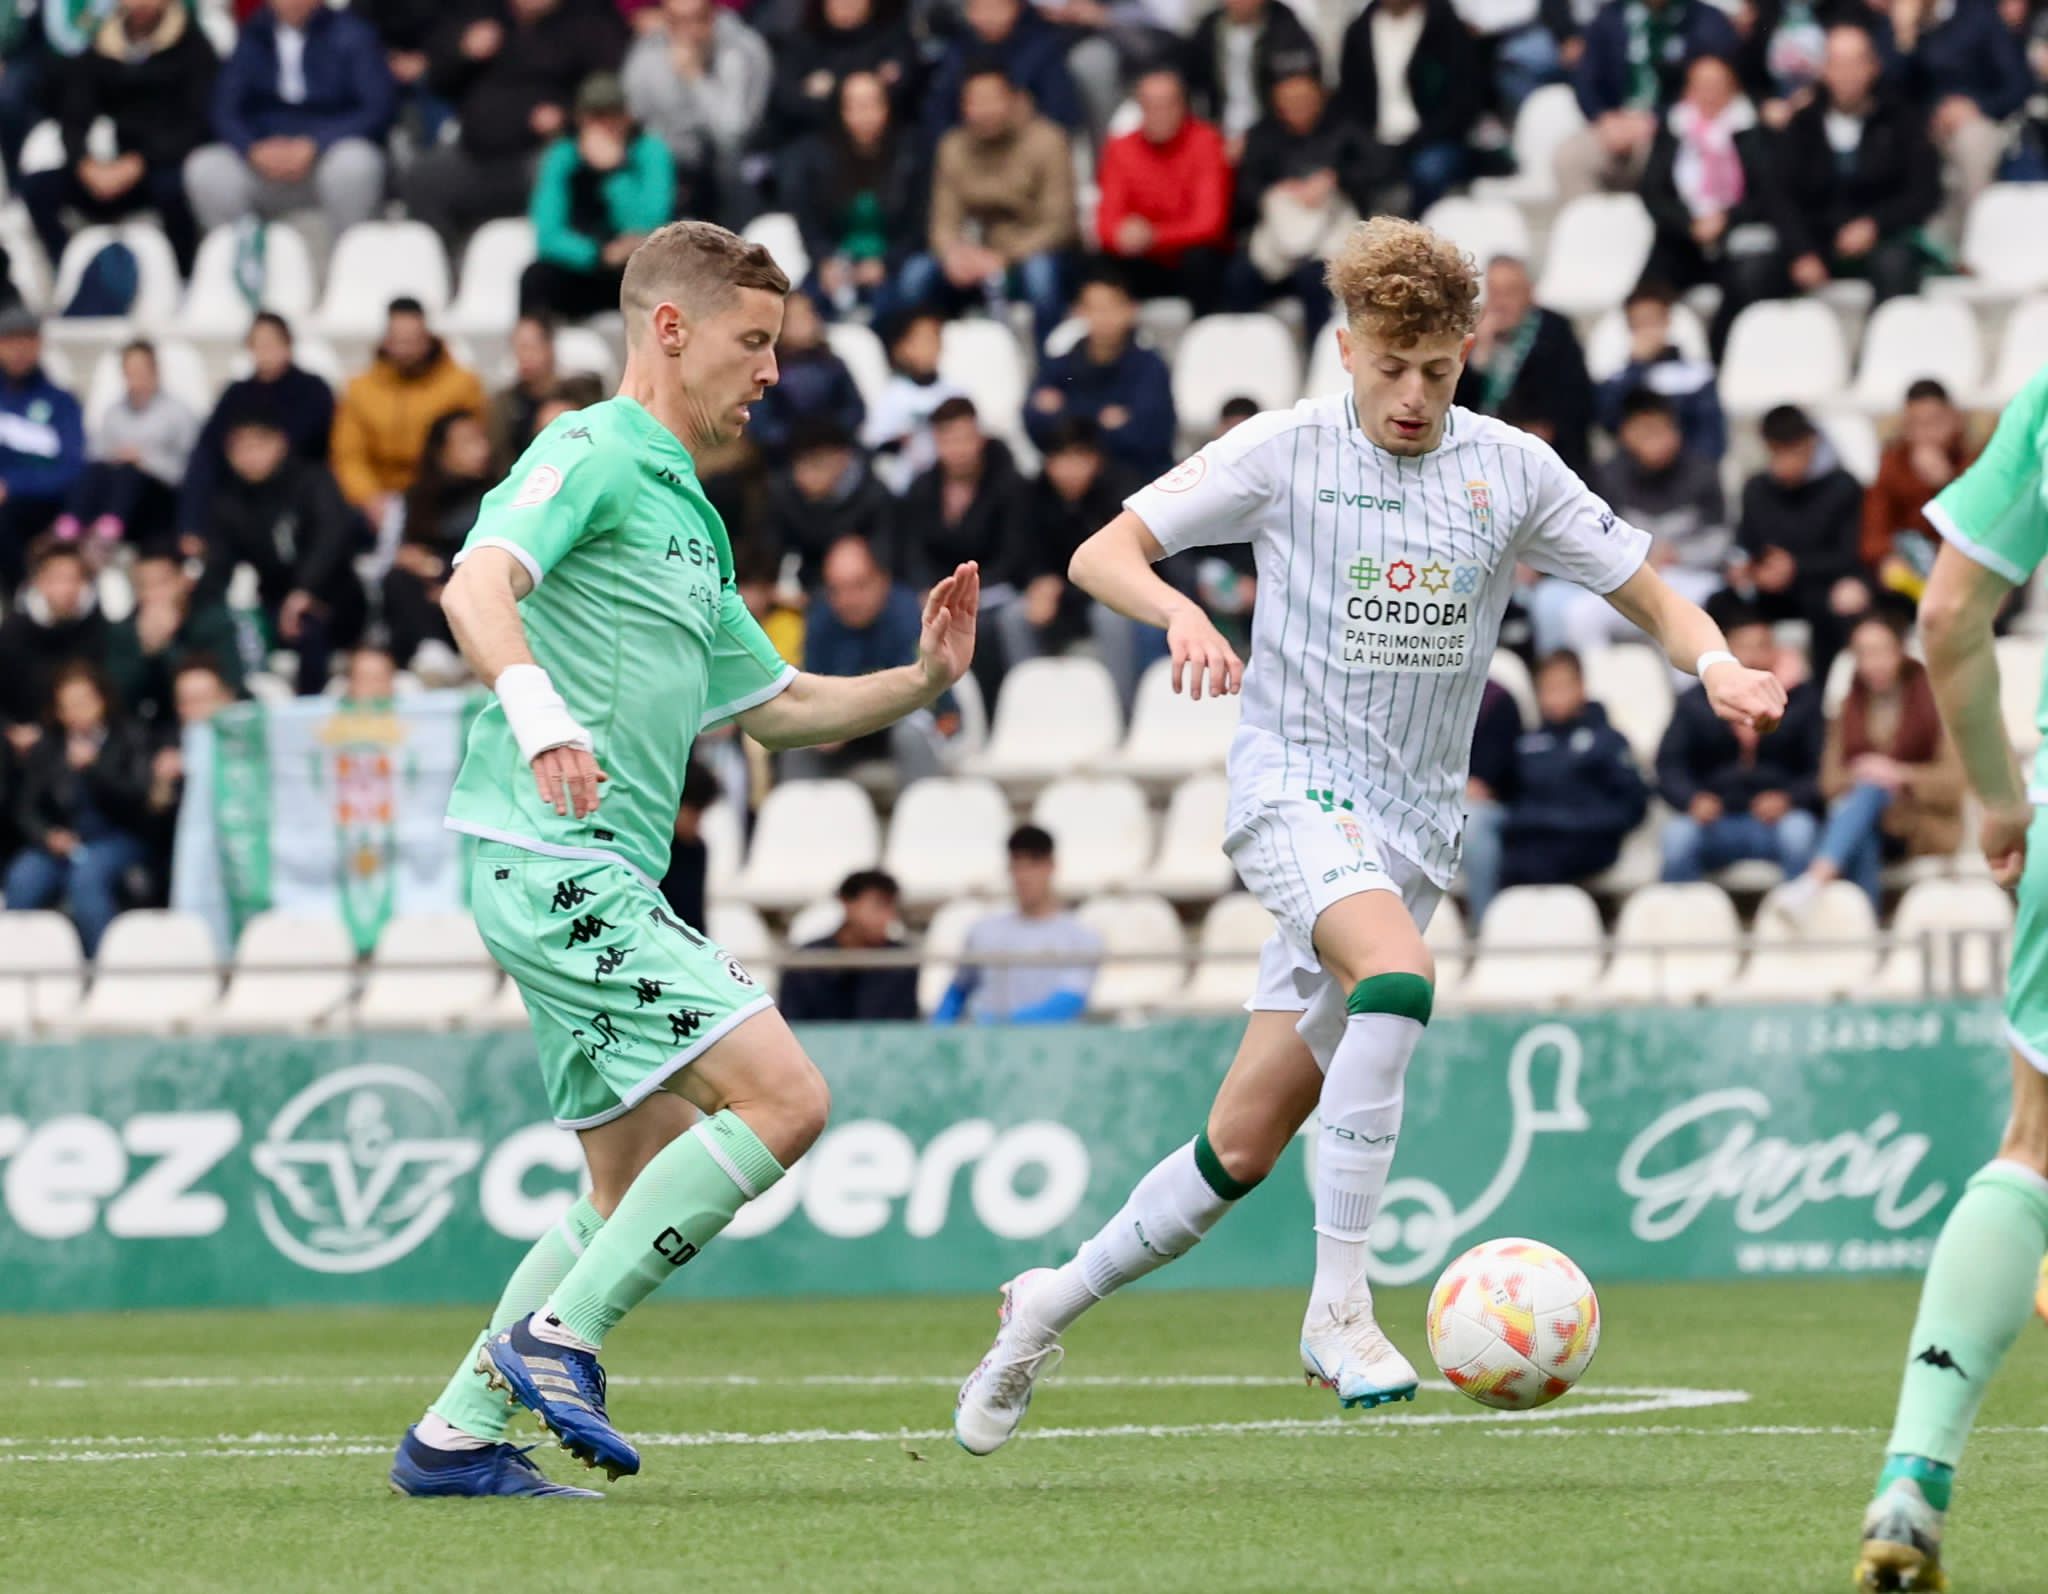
(1165, 206)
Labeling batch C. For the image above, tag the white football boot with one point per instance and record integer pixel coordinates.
(997, 1393)
(1343, 1349)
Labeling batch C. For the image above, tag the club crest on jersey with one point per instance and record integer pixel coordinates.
(1188, 473)
(1480, 496)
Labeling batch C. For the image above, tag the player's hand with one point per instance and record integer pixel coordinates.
(1755, 698)
(946, 646)
(2004, 838)
(1199, 653)
(568, 778)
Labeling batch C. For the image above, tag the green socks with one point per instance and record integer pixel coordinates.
(682, 1199)
(1978, 1296)
(466, 1402)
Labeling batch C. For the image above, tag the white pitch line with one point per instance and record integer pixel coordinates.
(728, 1381)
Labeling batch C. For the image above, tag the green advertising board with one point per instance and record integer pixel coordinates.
(370, 1168)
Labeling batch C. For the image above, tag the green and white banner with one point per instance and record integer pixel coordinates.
(1702, 1144)
(324, 806)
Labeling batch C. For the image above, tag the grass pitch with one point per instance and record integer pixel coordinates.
(1726, 1439)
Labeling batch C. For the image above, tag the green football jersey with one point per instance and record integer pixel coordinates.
(635, 618)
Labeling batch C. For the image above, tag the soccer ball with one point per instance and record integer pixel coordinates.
(1513, 1324)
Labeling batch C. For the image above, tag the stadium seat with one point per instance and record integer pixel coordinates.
(738, 928)
(1598, 243)
(1326, 373)
(946, 839)
(292, 973)
(1828, 953)
(1855, 442)
(809, 835)
(155, 973)
(1949, 939)
(778, 231)
(1633, 683)
(2021, 660)
(1484, 228)
(373, 263)
(2022, 349)
(867, 362)
(1642, 857)
(1546, 119)
(323, 360)
(1101, 831)
(1135, 925)
(1540, 946)
(1172, 734)
(215, 306)
(2001, 251)
(725, 848)
(1191, 866)
(814, 921)
(180, 367)
(46, 941)
(1227, 955)
(982, 359)
(429, 971)
(1607, 343)
(580, 349)
(1909, 338)
(1225, 356)
(1052, 716)
(1507, 670)
(1783, 351)
(943, 938)
(486, 301)
(505, 1010)
(1447, 943)
(159, 285)
(1699, 920)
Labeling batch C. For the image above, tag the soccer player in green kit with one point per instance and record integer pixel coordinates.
(1980, 1284)
(595, 594)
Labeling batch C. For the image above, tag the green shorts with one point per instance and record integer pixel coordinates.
(622, 994)
(2026, 986)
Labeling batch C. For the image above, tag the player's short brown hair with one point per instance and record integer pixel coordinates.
(697, 266)
(1399, 281)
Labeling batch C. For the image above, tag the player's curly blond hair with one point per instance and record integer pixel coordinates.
(1401, 282)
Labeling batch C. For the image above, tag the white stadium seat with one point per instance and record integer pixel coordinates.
(1484, 228)
(1227, 955)
(1052, 716)
(429, 971)
(1101, 831)
(181, 370)
(1607, 344)
(1507, 670)
(1547, 118)
(159, 285)
(943, 938)
(1135, 925)
(1173, 734)
(1598, 244)
(292, 972)
(1447, 945)
(1951, 937)
(46, 941)
(1699, 920)
(1827, 952)
(778, 232)
(505, 1010)
(155, 973)
(1633, 683)
(946, 839)
(1855, 442)
(1191, 866)
(1783, 351)
(486, 301)
(2022, 349)
(581, 350)
(375, 262)
(1326, 373)
(2021, 662)
(1909, 338)
(2002, 251)
(809, 836)
(725, 848)
(738, 928)
(814, 921)
(867, 362)
(216, 307)
(321, 358)
(1227, 356)
(982, 359)
(1539, 946)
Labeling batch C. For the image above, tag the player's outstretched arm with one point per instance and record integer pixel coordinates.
(840, 708)
(1115, 567)
(1693, 643)
(1961, 601)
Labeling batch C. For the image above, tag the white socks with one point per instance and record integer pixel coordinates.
(441, 1434)
(548, 1325)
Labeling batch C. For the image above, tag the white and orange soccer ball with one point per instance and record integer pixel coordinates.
(1513, 1324)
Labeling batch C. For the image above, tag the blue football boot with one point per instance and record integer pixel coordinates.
(564, 1388)
(501, 1469)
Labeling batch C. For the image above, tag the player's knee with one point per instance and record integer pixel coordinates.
(803, 1104)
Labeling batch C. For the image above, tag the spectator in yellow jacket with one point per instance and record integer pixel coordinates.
(380, 429)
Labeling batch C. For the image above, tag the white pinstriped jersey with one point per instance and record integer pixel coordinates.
(1382, 581)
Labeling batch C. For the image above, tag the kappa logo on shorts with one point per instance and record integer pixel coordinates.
(609, 961)
(685, 1022)
(568, 893)
(647, 992)
(587, 929)
(541, 484)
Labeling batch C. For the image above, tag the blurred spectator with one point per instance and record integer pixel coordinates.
(1412, 79)
(139, 451)
(1030, 52)
(1711, 189)
(1892, 778)
(55, 622)
(381, 427)
(42, 441)
(440, 507)
(576, 391)
(1797, 541)
(1307, 174)
(25, 91)
(1489, 783)
(1859, 174)
(814, 384)
(300, 109)
(406, 28)
(166, 631)
(1527, 359)
(150, 72)
(823, 494)
(755, 576)
(1780, 58)
(1002, 207)
(836, 38)
(369, 677)
(857, 188)
(689, 860)
(1238, 54)
(1655, 363)
(1931, 449)
(597, 194)
(1573, 795)
(1738, 795)
(199, 690)
(1522, 45)
(511, 68)
(698, 79)
(1025, 992)
(286, 519)
(855, 995)
(288, 394)
(1165, 197)
(534, 374)
(868, 623)
(1629, 75)
(1123, 388)
(899, 428)
(1965, 62)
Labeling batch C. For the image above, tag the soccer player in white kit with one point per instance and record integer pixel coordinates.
(1387, 527)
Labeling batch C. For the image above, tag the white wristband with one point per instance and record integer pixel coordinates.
(1708, 660)
(535, 711)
